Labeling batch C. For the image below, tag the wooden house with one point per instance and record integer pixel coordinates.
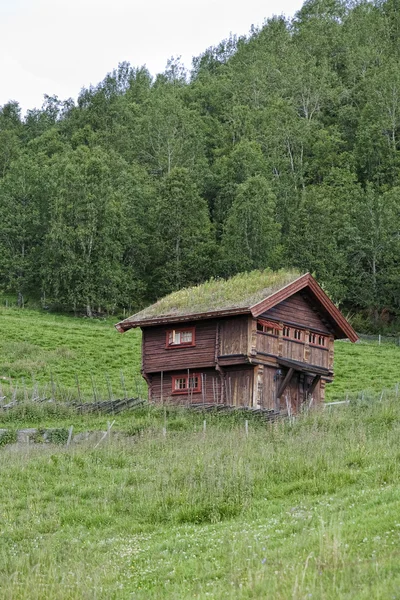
(263, 340)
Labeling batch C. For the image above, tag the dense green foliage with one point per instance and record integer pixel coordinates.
(308, 509)
(280, 149)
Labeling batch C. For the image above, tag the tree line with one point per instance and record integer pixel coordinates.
(280, 148)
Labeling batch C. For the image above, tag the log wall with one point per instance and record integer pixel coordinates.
(156, 357)
(297, 310)
(211, 389)
(233, 336)
(239, 386)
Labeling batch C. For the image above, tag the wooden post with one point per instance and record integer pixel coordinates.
(204, 427)
(314, 384)
(163, 405)
(94, 388)
(106, 433)
(123, 385)
(110, 392)
(285, 382)
(53, 389)
(246, 427)
(78, 387)
(70, 435)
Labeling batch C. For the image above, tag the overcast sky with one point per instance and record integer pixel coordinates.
(59, 46)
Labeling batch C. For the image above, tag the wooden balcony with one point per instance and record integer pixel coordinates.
(292, 349)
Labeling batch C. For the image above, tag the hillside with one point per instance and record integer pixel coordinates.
(279, 149)
(302, 510)
(295, 509)
(42, 349)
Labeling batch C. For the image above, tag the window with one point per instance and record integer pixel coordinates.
(317, 340)
(184, 384)
(297, 334)
(268, 327)
(180, 337)
(286, 332)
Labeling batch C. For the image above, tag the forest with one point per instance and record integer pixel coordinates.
(278, 149)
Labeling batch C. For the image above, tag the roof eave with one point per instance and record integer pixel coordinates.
(307, 280)
(123, 326)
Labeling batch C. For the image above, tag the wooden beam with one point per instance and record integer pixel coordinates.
(314, 384)
(285, 382)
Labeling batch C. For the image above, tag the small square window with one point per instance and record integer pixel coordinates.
(180, 337)
(184, 384)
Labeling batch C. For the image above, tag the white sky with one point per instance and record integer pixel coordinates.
(59, 46)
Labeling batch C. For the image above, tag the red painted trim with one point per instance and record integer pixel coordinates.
(183, 344)
(302, 282)
(187, 390)
(271, 324)
(343, 327)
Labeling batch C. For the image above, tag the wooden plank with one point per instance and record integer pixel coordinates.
(285, 382)
(341, 325)
(314, 384)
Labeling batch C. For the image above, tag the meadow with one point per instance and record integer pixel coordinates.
(57, 353)
(307, 508)
(303, 509)
(61, 353)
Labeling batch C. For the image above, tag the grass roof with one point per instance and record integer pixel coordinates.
(241, 291)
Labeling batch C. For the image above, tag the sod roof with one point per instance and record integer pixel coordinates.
(240, 292)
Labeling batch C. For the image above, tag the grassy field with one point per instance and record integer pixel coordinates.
(38, 348)
(303, 510)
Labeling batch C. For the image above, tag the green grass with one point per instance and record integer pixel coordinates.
(37, 347)
(53, 350)
(240, 291)
(303, 510)
(364, 366)
(308, 509)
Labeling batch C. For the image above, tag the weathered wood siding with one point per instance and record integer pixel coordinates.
(293, 350)
(156, 357)
(319, 356)
(267, 343)
(239, 386)
(211, 389)
(233, 336)
(297, 310)
(270, 388)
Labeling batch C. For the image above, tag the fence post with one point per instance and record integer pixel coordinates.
(246, 427)
(379, 339)
(70, 435)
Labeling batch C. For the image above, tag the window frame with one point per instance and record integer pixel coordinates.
(317, 337)
(168, 346)
(267, 329)
(187, 390)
